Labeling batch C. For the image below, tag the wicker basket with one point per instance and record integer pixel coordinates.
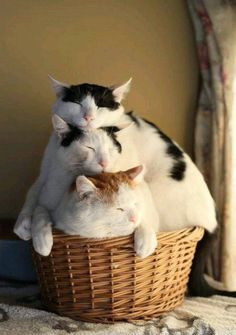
(103, 281)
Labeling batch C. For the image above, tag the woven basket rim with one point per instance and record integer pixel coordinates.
(185, 235)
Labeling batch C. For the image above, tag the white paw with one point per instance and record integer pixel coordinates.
(145, 241)
(22, 227)
(43, 240)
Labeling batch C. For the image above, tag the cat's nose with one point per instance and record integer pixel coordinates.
(88, 118)
(132, 219)
(102, 163)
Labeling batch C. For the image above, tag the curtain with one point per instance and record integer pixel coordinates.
(214, 23)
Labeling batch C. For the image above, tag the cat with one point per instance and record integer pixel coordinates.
(170, 172)
(74, 152)
(110, 205)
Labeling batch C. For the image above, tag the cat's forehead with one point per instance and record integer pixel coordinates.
(99, 139)
(103, 96)
(126, 195)
(109, 185)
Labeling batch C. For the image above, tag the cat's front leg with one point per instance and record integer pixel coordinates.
(42, 231)
(22, 226)
(145, 240)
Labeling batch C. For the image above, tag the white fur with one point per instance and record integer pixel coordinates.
(180, 204)
(42, 231)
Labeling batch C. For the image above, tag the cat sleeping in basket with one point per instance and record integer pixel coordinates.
(110, 205)
(179, 192)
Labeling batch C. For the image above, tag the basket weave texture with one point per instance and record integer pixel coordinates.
(104, 281)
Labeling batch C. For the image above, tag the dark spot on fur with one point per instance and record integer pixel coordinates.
(178, 169)
(73, 134)
(133, 118)
(111, 132)
(111, 129)
(174, 151)
(103, 96)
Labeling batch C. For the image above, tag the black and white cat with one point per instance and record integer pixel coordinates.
(70, 152)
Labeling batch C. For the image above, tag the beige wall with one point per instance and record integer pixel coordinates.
(97, 41)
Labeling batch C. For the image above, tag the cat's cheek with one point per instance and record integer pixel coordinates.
(82, 156)
(79, 121)
(93, 124)
(99, 119)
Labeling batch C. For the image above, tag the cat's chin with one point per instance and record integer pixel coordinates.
(87, 127)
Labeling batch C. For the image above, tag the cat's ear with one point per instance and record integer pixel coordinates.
(59, 125)
(58, 87)
(119, 92)
(84, 186)
(136, 173)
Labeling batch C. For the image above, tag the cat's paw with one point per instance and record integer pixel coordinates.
(22, 227)
(43, 240)
(145, 241)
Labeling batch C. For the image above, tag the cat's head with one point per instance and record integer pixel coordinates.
(107, 204)
(89, 106)
(86, 152)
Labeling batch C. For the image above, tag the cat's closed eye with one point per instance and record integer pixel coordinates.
(90, 148)
(120, 209)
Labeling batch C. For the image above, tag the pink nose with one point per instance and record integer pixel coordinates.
(132, 219)
(88, 118)
(102, 163)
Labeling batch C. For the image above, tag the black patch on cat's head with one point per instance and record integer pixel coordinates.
(111, 131)
(178, 169)
(133, 118)
(73, 134)
(103, 96)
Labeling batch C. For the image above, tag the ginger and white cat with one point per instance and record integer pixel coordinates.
(110, 205)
